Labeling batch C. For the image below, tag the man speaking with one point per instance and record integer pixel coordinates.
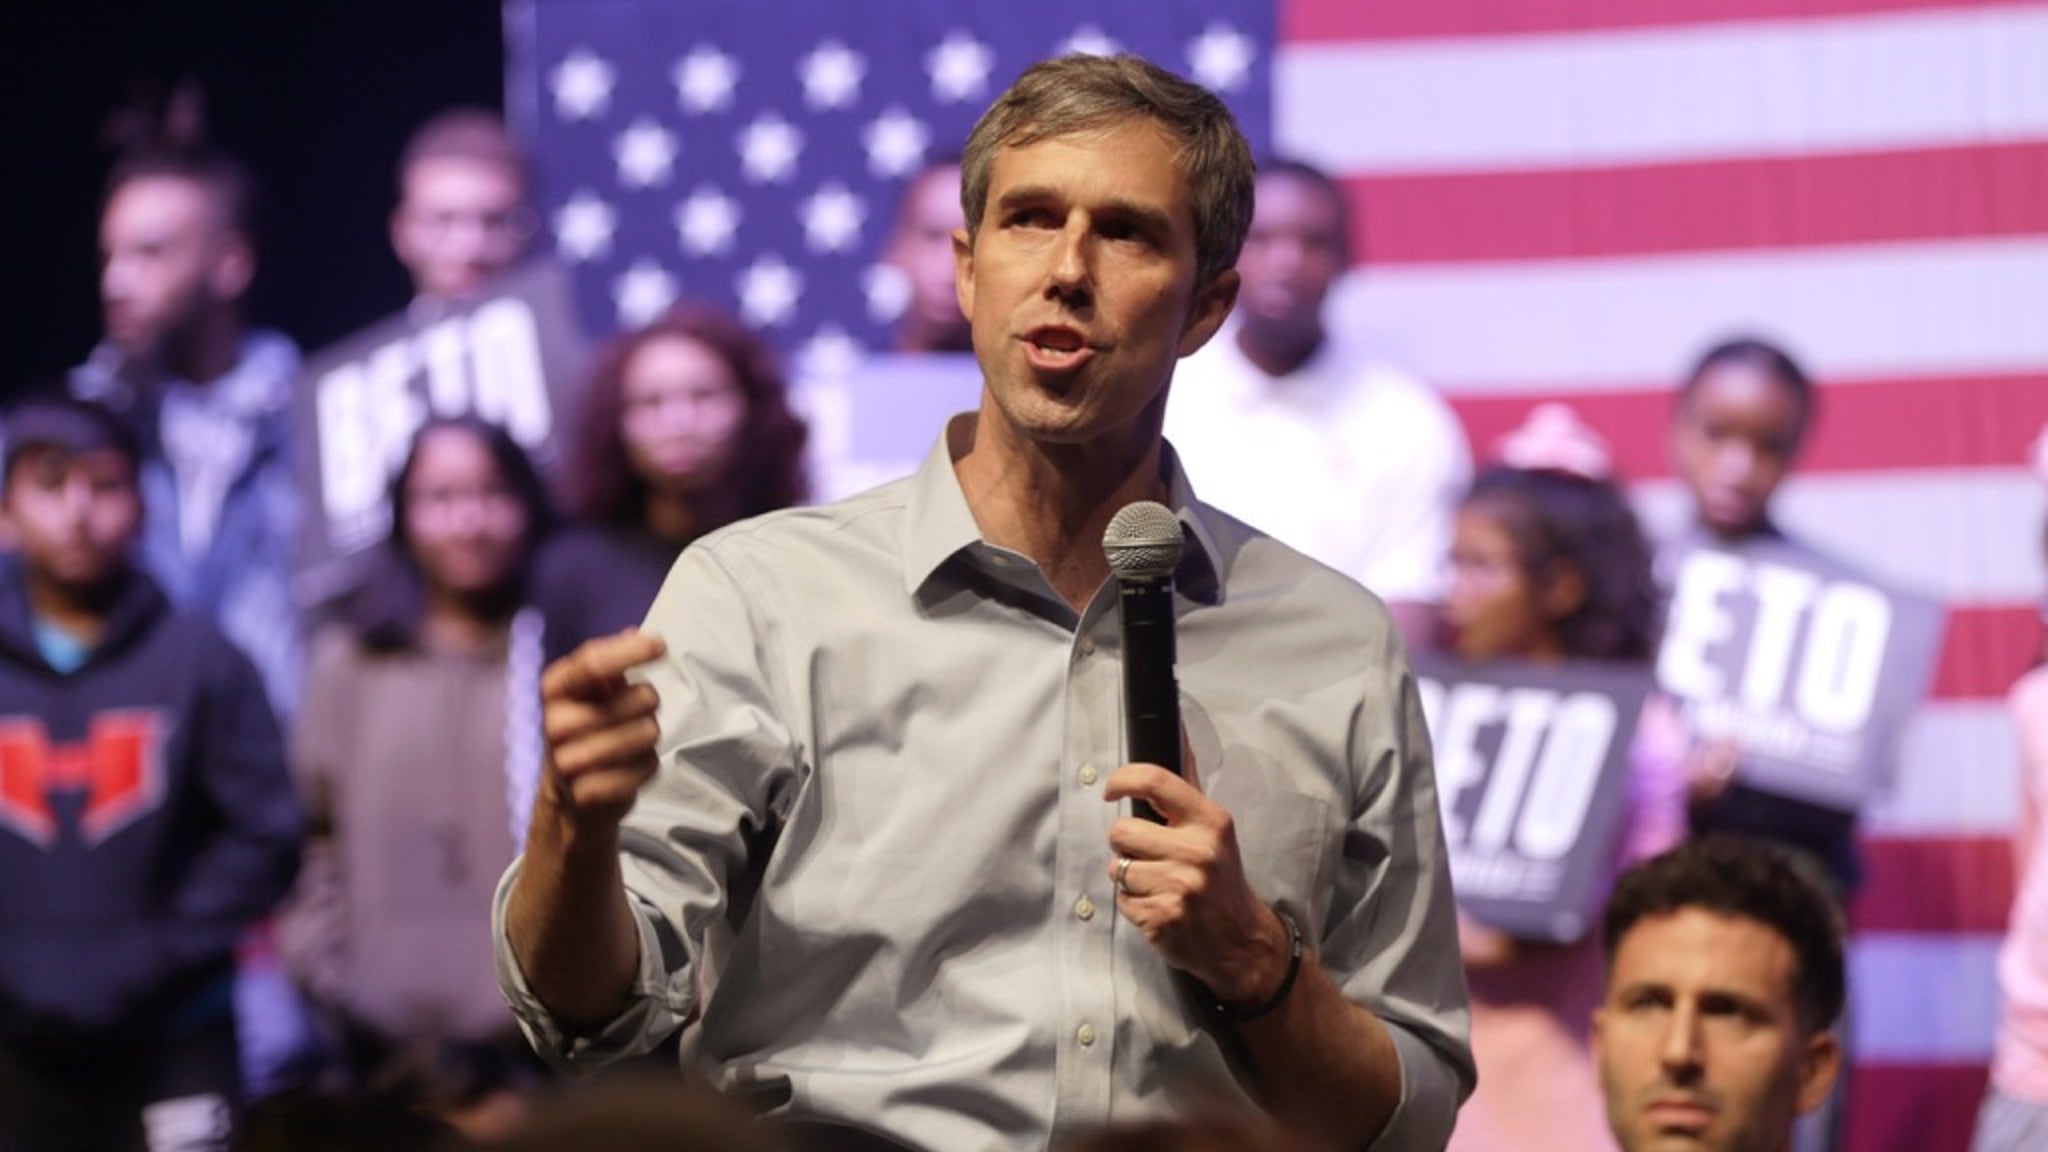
(859, 815)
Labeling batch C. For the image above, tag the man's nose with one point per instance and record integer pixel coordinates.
(1735, 461)
(1682, 1051)
(115, 275)
(1069, 272)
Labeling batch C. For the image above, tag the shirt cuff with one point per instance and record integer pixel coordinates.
(657, 1004)
(1430, 1092)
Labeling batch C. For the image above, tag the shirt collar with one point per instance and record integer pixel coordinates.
(940, 525)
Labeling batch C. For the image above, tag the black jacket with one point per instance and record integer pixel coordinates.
(147, 816)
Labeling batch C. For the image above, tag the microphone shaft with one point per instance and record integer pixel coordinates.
(1151, 692)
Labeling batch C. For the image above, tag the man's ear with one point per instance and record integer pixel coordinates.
(1819, 1064)
(1206, 312)
(234, 266)
(963, 271)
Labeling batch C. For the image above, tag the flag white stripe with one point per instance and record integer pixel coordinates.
(1565, 100)
(1923, 999)
(1958, 775)
(1961, 536)
(1935, 308)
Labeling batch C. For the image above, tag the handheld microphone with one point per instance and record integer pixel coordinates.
(1143, 546)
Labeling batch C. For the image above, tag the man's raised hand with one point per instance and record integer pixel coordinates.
(600, 727)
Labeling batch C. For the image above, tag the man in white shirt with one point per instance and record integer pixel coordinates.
(1292, 427)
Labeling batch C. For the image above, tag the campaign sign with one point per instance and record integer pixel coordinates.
(1808, 666)
(1532, 775)
(511, 357)
(875, 419)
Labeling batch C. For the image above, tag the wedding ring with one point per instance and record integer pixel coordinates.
(1123, 866)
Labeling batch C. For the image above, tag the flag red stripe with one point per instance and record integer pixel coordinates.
(1931, 885)
(1793, 201)
(1913, 1107)
(1944, 422)
(1985, 649)
(1323, 22)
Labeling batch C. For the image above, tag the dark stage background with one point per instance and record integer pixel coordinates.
(317, 98)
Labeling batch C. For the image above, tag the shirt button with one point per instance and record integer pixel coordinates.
(1086, 1035)
(1088, 776)
(1084, 908)
(1087, 646)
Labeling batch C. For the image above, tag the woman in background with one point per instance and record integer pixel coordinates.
(417, 747)
(685, 428)
(1549, 565)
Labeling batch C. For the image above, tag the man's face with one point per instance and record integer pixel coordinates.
(459, 223)
(922, 249)
(1292, 255)
(165, 260)
(74, 515)
(1080, 284)
(1699, 1042)
(1734, 439)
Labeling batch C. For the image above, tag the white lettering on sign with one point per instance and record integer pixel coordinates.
(1814, 646)
(488, 362)
(1537, 787)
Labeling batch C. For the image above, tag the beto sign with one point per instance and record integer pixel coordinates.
(1531, 770)
(509, 357)
(1809, 667)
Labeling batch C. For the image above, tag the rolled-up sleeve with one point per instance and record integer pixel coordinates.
(1392, 940)
(659, 1002)
(724, 756)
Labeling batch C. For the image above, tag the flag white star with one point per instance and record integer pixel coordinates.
(832, 74)
(895, 142)
(707, 221)
(829, 352)
(959, 68)
(887, 291)
(646, 153)
(1089, 40)
(641, 292)
(832, 218)
(705, 79)
(768, 290)
(583, 85)
(769, 148)
(584, 227)
(1221, 57)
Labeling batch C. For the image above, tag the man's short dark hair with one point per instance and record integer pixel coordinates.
(63, 424)
(1294, 168)
(474, 134)
(225, 181)
(1082, 93)
(1752, 881)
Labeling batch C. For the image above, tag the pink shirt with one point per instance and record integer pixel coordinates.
(2019, 1065)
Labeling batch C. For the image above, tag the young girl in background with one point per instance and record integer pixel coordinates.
(685, 428)
(418, 749)
(1548, 565)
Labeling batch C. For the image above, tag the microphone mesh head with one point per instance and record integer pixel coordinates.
(1143, 541)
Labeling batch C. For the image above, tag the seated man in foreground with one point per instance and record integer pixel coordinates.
(1725, 979)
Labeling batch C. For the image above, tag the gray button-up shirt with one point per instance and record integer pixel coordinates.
(876, 855)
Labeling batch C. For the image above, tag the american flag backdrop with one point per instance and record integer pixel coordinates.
(753, 153)
(1557, 199)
